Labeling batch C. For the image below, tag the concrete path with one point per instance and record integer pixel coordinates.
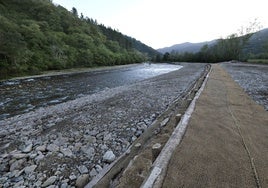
(226, 142)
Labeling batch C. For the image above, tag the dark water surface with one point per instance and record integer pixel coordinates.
(24, 95)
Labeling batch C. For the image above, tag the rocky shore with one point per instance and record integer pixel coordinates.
(66, 145)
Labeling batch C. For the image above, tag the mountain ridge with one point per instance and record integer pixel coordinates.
(254, 44)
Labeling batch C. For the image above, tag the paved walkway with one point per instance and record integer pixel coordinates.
(226, 142)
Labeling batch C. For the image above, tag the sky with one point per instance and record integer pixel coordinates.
(162, 23)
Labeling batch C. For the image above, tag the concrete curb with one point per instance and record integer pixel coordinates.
(156, 177)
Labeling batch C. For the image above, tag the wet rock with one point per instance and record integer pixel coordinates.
(108, 156)
(49, 181)
(82, 180)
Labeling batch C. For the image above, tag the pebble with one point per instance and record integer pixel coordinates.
(16, 165)
(28, 148)
(164, 122)
(108, 156)
(41, 148)
(72, 177)
(82, 181)
(49, 181)
(30, 169)
(82, 169)
(88, 150)
(93, 172)
(66, 152)
(53, 148)
(19, 155)
(98, 168)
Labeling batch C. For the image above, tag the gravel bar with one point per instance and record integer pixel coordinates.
(253, 78)
(66, 145)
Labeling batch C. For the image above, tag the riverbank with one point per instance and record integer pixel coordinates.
(76, 140)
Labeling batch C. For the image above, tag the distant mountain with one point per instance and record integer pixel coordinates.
(257, 41)
(186, 47)
(255, 44)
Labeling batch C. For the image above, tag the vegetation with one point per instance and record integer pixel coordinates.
(238, 46)
(36, 35)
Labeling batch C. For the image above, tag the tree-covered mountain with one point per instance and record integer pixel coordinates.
(36, 35)
(186, 47)
(257, 42)
(255, 45)
(243, 46)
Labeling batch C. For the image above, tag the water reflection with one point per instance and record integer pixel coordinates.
(20, 96)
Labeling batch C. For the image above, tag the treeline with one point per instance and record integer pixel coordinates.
(234, 47)
(36, 35)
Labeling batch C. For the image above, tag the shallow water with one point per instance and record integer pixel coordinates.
(21, 96)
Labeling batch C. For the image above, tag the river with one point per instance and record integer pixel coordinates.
(19, 96)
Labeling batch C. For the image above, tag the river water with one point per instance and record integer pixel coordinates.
(24, 95)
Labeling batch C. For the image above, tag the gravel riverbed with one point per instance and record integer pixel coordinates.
(67, 144)
(253, 78)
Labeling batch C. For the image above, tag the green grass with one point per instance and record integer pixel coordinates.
(262, 61)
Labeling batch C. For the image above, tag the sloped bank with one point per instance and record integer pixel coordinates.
(72, 142)
(132, 168)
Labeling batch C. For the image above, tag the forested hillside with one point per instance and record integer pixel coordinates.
(242, 47)
(186, 47)
(36, 35)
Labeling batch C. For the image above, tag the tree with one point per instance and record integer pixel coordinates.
(166, 56)
(75, 12)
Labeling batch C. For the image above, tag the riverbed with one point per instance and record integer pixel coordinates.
(253, 78)
(19, 96)
(58, 144)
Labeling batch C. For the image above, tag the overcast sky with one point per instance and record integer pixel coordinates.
(162, 23)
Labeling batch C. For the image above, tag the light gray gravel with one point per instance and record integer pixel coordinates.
(253, 78)
(58, 145)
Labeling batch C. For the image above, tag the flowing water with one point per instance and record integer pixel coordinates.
(24, 95)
